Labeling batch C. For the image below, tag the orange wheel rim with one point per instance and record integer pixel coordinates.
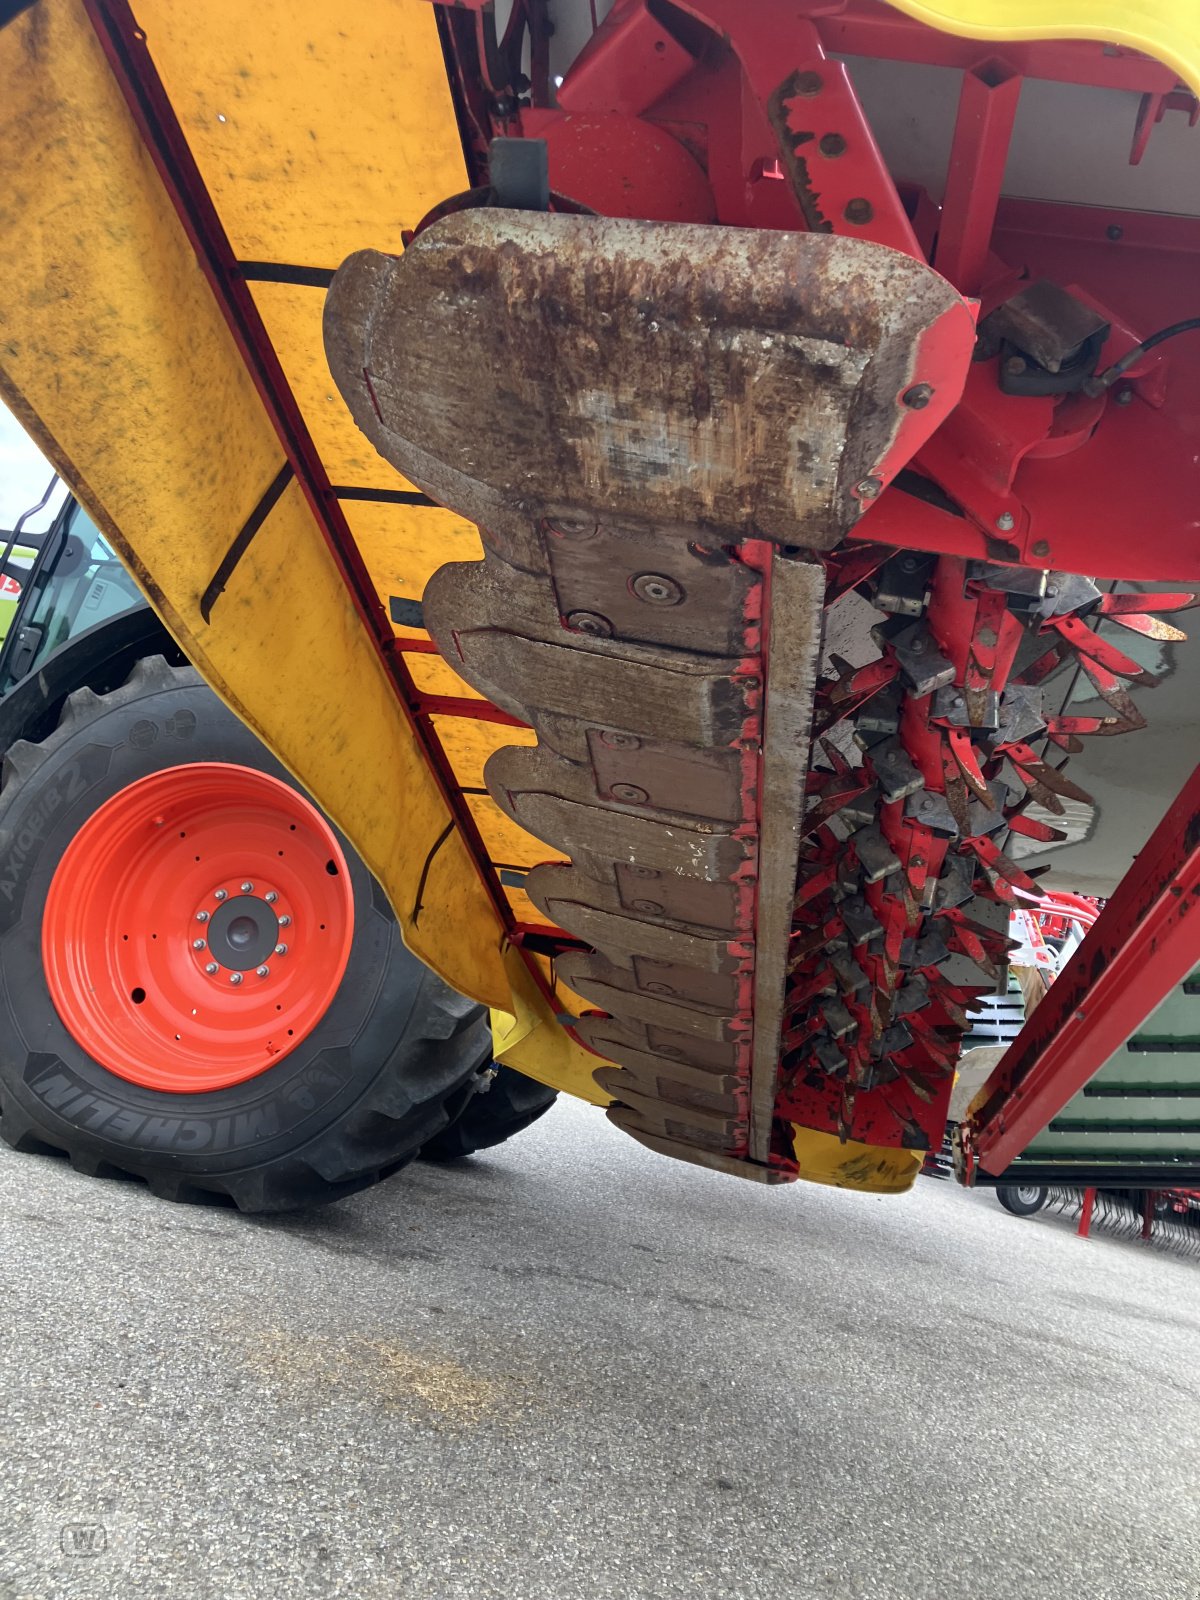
(197, 927)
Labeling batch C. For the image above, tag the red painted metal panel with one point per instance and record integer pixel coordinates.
(1145, 941)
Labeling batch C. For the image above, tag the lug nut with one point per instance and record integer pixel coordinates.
(197, 944)
(211, 968)
(202, 916)
(235, 978)
(1006, 522)
(262, 972)
(285, 922)
(281, 949)
(270, 897)
(247, 887)
(221, 894)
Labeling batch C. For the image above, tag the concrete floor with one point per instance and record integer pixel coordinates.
(574, 1369)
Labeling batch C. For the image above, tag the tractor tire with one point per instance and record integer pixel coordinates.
(506, 1108)
(1022, 1199)
(270, 1043)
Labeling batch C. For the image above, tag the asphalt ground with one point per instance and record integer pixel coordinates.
(571, 1368)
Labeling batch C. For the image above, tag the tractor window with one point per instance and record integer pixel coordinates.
(79, 583)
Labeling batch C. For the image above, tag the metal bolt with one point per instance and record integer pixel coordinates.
(221, 894)
(285, 922)
(918, 647)
(643, 872)
(621, 741)
(235, 978)
(197, 944)
(649, 908)
(1051, 590)
(1042, 547)
(1006, 522)
(629, 793)
(656, 590)
(671, 1051)
(918, 397)
(658, 988)
(868, 488)
(832, 144)
(858, 211)
(568, 529)
(1123, 397)
(1015, 366)
(247, 887)
(270, 897)
(807, 83)
(211, 968)
(590, 622)
(202, 916)
(281, 949)
(1114, 230)
(262, 972)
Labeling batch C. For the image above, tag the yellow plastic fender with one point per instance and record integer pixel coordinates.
(1168, 30)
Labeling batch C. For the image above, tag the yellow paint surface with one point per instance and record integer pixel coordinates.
(1168, 30)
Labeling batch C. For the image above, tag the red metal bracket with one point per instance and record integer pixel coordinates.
(1145, 941)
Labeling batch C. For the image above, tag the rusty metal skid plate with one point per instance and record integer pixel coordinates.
(647, 421)
(711, 381)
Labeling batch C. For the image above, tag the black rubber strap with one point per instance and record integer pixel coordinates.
(242, 543)
(384, 497)
(281, 272)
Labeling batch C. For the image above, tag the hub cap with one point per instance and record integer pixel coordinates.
(197, 927)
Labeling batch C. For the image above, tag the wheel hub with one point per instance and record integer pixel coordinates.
(242, 934)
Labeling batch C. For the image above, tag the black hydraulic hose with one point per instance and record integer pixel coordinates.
(1119, 368)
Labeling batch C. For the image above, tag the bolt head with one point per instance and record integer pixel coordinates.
(202, 916)
(247, 887)
(918, 397)
(859, 211)
(221, 894)
(565, 528)
(211, 968)
(285, 922)
(197, 944)
(262, 972)
(868, 488)
(656, 589)
(281, 949)
(1123, 397)
(270, 897)
(1006, 522)
(630, 793)
(235, 978)
(590, 622)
